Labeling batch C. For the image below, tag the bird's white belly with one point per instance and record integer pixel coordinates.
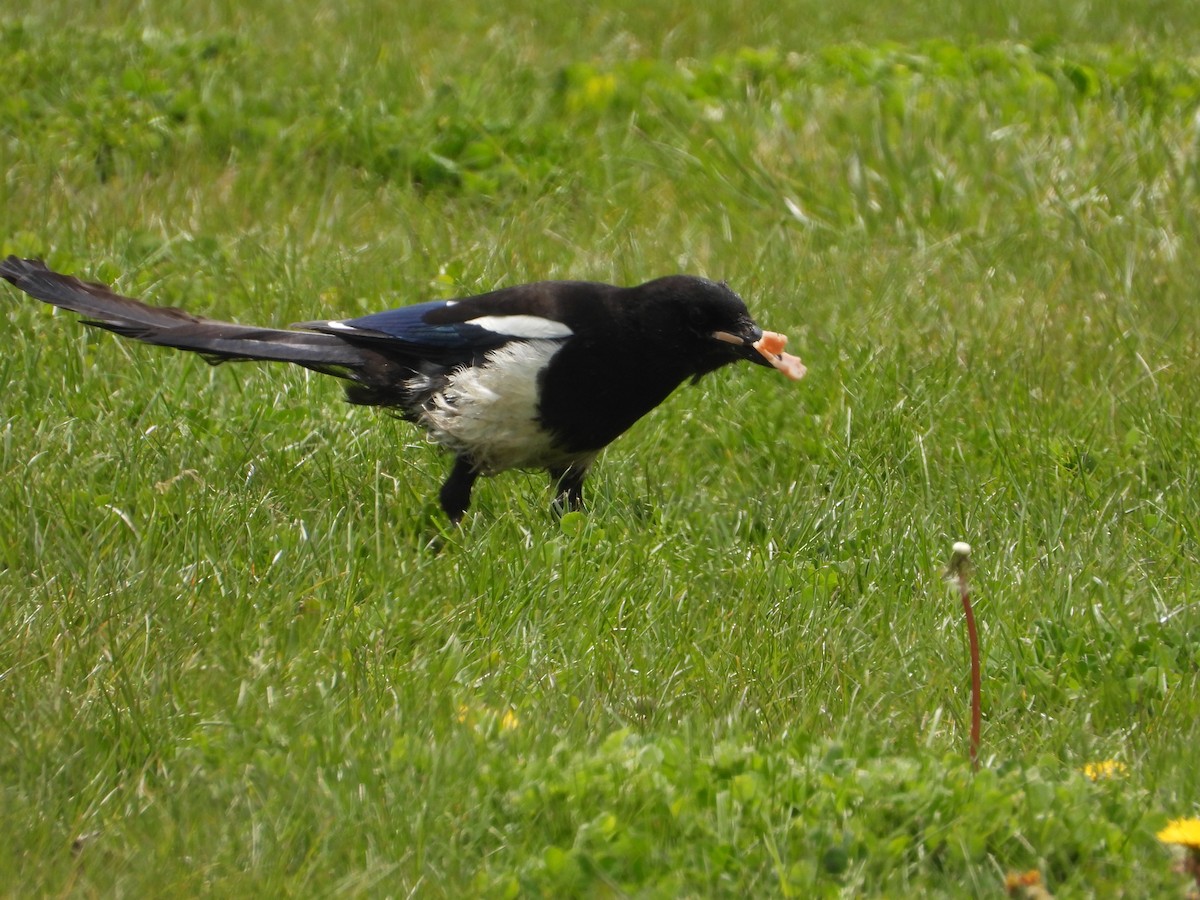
(490, 412)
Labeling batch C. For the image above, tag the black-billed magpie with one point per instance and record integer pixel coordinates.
(537, 376)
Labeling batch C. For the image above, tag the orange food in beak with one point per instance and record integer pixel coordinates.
(771, 345)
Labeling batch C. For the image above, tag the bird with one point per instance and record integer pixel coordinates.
(534, 376)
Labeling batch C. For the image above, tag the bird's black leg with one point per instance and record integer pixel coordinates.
(569, 488)
(456, 492)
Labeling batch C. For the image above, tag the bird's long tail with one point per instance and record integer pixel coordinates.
(169, 327)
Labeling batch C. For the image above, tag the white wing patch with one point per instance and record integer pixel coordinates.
(490, 411)
(522, 326)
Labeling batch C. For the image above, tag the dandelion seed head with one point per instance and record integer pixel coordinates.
(960, 560)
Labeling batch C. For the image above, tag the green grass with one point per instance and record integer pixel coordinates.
(240, 656)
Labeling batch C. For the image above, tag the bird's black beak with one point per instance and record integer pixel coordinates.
(742, 342)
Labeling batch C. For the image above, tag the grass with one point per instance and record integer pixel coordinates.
(238, 654)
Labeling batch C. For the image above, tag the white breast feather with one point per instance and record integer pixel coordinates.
(492, 411)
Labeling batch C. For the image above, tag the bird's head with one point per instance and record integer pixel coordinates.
(712, 324)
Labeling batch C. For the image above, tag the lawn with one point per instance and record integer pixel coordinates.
(240, 654)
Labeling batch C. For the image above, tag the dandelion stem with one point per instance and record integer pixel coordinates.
(958, 571)
(976, 687)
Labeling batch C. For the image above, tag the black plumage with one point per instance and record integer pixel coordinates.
(541, 375)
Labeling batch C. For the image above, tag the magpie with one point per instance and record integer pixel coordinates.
(536, 376)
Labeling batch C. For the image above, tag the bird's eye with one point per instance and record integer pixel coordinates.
(698, 318)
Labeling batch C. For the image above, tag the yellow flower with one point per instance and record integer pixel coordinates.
(599, 89)
(485, 719)
(1108, 768)
(1182, 831)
